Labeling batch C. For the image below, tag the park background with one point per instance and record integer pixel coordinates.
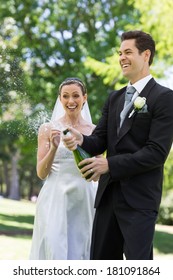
(41, 43)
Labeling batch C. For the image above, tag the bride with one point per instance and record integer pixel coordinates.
(65, 205)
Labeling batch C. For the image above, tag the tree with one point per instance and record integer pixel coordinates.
(156, 18)
(153, 17)
(43, 42)
(56, 38)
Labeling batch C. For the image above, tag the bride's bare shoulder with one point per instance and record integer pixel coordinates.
(87, 128)
(45, 128)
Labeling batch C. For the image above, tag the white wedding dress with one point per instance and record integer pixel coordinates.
(64, 212)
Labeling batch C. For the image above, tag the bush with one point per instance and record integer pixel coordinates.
(166, 210)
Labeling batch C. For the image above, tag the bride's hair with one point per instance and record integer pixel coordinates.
(73, 80)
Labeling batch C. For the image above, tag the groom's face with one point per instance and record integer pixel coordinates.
(134, 65)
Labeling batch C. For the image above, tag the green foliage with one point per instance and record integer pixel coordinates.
(168, 173)
(12, 86)
(166, 209)
(152, 17)
(55, 37)
(43, 42)
(156, 18)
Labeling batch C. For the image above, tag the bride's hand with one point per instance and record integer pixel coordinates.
(55, 137)
(72, 139)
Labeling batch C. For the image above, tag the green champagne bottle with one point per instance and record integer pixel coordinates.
(79, 154)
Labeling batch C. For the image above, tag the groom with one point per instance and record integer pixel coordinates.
(137, 141)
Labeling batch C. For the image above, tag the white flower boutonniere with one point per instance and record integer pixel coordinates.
(139, 103)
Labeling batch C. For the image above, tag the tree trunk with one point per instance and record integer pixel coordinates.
(6, 178)
(14, 187)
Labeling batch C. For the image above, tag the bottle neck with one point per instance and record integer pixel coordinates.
(66, 132)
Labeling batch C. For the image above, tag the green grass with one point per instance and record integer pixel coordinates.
(16, 224)
(15, 248)
(163, 244)
(16, 216)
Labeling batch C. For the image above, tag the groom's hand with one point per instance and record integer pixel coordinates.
(72, 139)
(95, 166)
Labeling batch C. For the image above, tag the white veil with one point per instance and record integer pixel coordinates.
(58, 112)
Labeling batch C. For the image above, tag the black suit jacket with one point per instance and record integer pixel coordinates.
(137, 153)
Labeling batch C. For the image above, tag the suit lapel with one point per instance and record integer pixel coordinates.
(128, 121)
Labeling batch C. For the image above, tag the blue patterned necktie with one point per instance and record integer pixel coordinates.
(127, 104)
